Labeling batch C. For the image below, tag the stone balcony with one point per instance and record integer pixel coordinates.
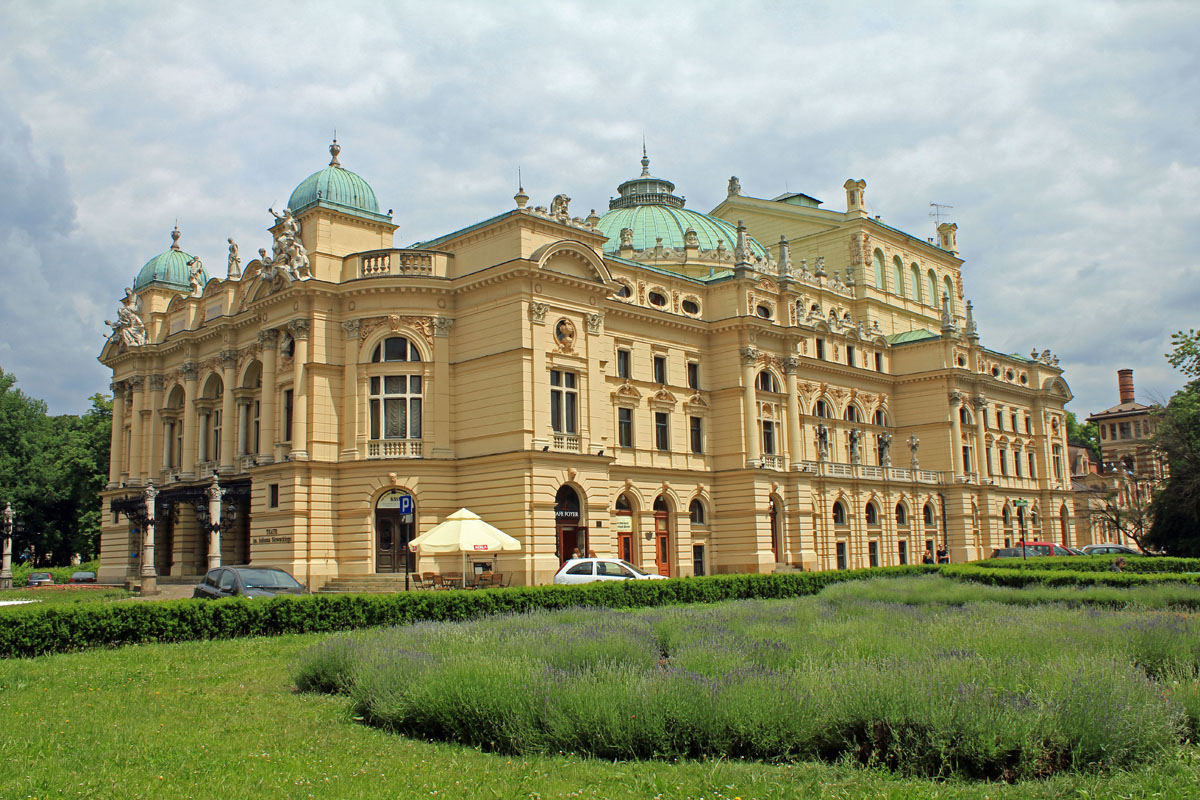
(395, 448)
(396, 262)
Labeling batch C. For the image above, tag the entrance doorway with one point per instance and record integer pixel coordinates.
(571, 539)
(662, 536)
(394, 522)
(624, 528)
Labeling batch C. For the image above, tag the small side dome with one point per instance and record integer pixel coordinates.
(168, 269)
(335, 187)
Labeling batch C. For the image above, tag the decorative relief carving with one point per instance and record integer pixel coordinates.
(441, 326)
(190, 370)
(228, 358)
(422, 325)
(268, 340)
(156, 383)
(594, 323)
(537, 312)
(627, 395)
(350, 328)
(749, 355)
(564, 335)
(299, 328)
(663, 400)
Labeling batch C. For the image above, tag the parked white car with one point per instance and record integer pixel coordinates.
(587, 570)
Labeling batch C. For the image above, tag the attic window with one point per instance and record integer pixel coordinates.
(657, 299)
(624, 291)
(763, 311)
(1024, 379)
(691, 307)
(995, 372)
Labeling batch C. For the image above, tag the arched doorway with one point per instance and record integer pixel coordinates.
(570, 535)
(662, 536)
(623, 524)
(394, 523)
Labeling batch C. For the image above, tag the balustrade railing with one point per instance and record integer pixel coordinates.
(394, 448)
(834, 469)
(396, 262)
(205, 469)
(247, 462)
(566, 443)
(772, 462)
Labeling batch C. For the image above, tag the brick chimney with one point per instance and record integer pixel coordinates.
(1125, 384)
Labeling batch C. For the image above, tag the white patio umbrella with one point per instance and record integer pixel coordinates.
(463, 532)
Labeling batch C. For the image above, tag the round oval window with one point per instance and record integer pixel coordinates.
(691, 307)
(657, 299)
(763, 311)
(624, 291)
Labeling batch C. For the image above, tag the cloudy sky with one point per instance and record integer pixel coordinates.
(1063, 134)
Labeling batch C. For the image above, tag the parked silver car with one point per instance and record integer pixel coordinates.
(1110, 549)
(587, 570)
(247, 582)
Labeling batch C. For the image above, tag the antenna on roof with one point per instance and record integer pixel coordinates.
(939, 210)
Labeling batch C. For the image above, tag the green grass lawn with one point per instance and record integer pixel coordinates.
(221, 719)
(54, 596)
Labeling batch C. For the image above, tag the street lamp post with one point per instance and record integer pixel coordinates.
(149, 576)
(6, 564)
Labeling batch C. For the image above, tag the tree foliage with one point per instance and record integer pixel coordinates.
(1176, 508)
(52, 469)
(1086, 435)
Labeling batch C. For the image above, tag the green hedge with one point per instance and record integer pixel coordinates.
(1138, 564)
(36, 631)
(60, 574)
(1018, 577)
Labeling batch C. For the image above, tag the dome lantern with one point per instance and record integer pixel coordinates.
(337, 188)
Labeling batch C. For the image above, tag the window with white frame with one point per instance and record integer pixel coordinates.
(564, 402)
(396, 406)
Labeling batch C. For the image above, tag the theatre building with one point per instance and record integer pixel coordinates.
(769, 386)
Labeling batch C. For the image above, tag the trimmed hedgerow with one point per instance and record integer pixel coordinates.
(20, 572)
(1136, 564)
(1028, 576)
(36, 631)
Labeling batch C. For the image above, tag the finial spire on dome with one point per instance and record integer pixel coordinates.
(645, 158)
(175, 237)
(334, 149)
(521, 198)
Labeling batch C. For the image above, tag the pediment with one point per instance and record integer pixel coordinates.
(573, 259)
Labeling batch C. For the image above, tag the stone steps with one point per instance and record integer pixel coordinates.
(370, 584)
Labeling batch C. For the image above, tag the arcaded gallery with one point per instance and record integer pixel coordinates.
(771, 385)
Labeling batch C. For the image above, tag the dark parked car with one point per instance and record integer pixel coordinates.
(1110, 549)
(1015, 552)
(247, 582)
(40, 579)
(82, 577)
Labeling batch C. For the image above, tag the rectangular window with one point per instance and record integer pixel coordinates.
(879, 362)
(693, 375)
(999, 420)
(396, 407)
(215, 449)
(662, 438)
(625, 427)
(624, 362)
(966, 459)
(850, 353)
(660, 369)
(1126, 430)
(287, 415)
(564, 402)
(1003, 461)
(1032, 466)
(768, 437)
(254, 443)
(1013, 419)
(902, 552)
(873, 553)
(1028, 426)
(990, 469)
(696, 428)
(273, 500)
(1017, 462)
(841, 555)
(821, 349)
(1058, 462)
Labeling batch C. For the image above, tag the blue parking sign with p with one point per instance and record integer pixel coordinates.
(406, 504)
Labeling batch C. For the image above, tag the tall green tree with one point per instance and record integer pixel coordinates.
(1175, 525)
(52, 470)
(1087, 435)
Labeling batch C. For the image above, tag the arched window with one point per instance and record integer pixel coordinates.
(1006, 517)
(821, 409)
(880, 417)
(395, 348)
(767, 382)
(898, 276)
(916, 282)
(927, 513)
(949, 285)
(697, 513)
(852, 413)
(872, 513)
(934, 299)
(878, 259)
(964, 416)
(839, 513)
(901, 514)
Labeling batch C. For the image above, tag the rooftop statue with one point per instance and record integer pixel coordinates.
(235, 261)
(735, 186)
(129, 329)
(289, 258)
(196, 269)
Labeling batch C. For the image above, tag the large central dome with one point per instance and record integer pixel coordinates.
(649, 208)
(336, 187)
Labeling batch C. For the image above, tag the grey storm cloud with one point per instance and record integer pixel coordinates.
(1064, 136)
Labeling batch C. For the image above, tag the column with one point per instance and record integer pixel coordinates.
(149, 576)
(213, 493)
(299, 328)
(749, 357)
(794, 438)
(350, 418)
(440, 404)
(153, 432)
(269, 342)
(137, 385)
(980, 405)
(956, 401)
(187, 464)
(229, 421)
(118, 435)
(6, 558)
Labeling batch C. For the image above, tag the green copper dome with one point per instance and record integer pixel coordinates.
(648, 207)
(336, 187)
(168, 269)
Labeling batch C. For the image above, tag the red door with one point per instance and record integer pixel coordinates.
(662, 541)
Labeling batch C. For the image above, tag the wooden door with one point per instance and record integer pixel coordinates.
(387, 542)
(662, 543)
